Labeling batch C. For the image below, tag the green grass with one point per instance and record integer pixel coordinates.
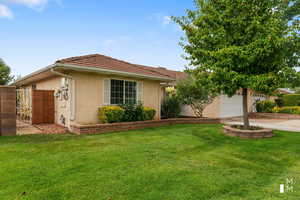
(167, 163)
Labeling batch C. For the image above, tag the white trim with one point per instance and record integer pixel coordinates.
(106, 91)
(124, 95)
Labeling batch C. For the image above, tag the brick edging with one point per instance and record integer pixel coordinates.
(248, 134)
(124, 126)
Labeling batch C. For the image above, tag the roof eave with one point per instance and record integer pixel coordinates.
(89, 69)
(108, 71)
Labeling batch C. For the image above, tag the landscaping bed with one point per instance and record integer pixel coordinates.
(251, 133)
(123, 126)
(177, 162)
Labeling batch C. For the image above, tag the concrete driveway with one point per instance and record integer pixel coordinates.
(278, 124)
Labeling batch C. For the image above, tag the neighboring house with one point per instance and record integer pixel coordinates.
(223, 106)
(83, 84)
(285, 91)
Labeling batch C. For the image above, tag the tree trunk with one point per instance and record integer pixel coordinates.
(245, 108)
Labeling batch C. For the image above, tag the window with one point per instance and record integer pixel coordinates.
(123, 92)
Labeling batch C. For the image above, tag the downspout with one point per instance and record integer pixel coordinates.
(72, 92)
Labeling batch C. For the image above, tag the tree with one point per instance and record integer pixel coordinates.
(171, 106)
(243, 44)
(5, 76)
(196, 91)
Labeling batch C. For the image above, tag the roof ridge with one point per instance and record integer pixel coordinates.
(74, 58)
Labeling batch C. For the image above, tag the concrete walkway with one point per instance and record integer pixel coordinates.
(278, 124)
(26, 129)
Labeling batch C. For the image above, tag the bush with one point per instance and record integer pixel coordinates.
(279, 102)
(291, 100)
(125, 113)
(111, 114)
(171, 107)
(265, 106)
(287, 110)
(149, 113)
(133, 112)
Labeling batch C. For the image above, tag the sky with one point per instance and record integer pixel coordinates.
(36, 33)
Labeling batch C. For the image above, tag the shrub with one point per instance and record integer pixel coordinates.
(149, 113)
(265, 106)
(170, 107)
(279, 102)
(111, 114)
(291, 100)
(287, 110)
(125, 113)
(133, 112)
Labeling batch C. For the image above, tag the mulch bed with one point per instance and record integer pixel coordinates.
(52, 129)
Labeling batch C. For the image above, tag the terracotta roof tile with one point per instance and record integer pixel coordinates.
(105, 62)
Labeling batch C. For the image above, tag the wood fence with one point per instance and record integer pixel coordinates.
(7, 111)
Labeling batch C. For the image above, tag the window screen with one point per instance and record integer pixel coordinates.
(123, 92)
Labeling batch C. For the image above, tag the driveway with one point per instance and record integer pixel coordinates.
(278, 124)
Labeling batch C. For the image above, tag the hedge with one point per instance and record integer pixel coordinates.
(287, 110)
(111, 114)
(291, 100)
(125, 113)
(265, 106)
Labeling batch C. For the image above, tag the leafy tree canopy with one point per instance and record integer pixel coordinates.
(5, 76)
(243, 44)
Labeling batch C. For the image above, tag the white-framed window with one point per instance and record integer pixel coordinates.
(118, 91)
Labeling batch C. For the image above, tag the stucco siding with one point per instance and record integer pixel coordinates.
(89, 95)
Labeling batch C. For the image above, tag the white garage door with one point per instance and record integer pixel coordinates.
(231, 107)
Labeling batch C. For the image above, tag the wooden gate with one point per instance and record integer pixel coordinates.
(7, 111)
(42, 106)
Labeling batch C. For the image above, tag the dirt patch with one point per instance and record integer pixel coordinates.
(51, 129)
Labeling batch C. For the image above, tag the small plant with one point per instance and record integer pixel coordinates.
(111, 114)
(265, 106)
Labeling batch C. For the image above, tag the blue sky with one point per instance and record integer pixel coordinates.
(35, 33)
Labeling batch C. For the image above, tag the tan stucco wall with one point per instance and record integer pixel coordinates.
(62, 107)
(89, 95)
(213, 110)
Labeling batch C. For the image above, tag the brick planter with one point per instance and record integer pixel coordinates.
(106, 128)
(248, 134)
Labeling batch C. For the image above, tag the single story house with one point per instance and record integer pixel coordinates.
(71, 90)
(80, 85)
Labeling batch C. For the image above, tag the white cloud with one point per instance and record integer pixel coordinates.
(109, 43)
(163, 19)
(166, 20)
(5, 12)
(29, 3)
(37, 5)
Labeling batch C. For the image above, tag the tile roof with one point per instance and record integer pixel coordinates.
(105, 62)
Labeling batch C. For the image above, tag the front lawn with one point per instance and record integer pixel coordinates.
(168, 163)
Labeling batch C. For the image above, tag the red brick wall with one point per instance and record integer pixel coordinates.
(7, 111)
(106, 128)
